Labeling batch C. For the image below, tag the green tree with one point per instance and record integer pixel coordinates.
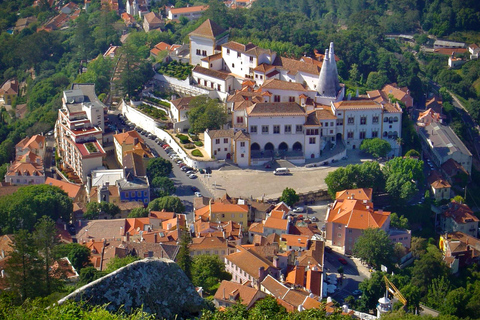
(23, 268)
(78, 255)
(372, 288)
(376, 80)
(267, 308)
(401, 176)
(158, 167)
(93, 211)
(412, 295)
(138, 213)
(374, 247)
(163, 186)
(46, 240)
(117, 263)
(399, 222)
(89, 274)
(376, 147)
(412, 153)
(184, 260)
(169, 203)
(418, 246)
(430, 266)
(289, 196)
(208, 271)
(206, 113)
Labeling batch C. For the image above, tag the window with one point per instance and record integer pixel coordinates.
(239, 54)
(299, 128)
(331, 123)
(312, 140)
(340, 122)
(217, 141)
(225, 149)
(276, 129)
(312, 132)
(331, 132)
(233, 65)
(219, 87)
(276, 98)
(233, 215)
(362, 134)
(375, 119)
(261, 77)
(339, 235)
(351, 120)
(132, 194)
(253, 129)
(288, 128)
(242, 144)
(239, 119)
(251, 59)
(228, 51)
(199, 52)
(264, 129)
(241, 215)
(350, 135)
(291, 99)
(385, 119)
(374, 134)
(326, 124)
(225, 140)
(204, 53)
(363, 120)
(242, 156)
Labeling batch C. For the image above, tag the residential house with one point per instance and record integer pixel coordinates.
(136, 8)
(348, 217)
(294, 242)
(455, 172)
(128, 19)
(205, 39)
(28, 166)
(9, 91)
(442, 144)
(455, 62)
(171, 49)
(218, 143)
(230, 230)
(34, 144)
(459, 250)
(213, 79)
(189, 12)
(428, 116)
(130, 141)
(474, 50)
(230, 293)
(246, 265)
(459, 217)
(211, 245)
(440, 187)
(217, 211)
(74, 191)
(438, 44)
(152, 21)
(180, 108)
(390, 92)
(79, 130)
(23, 23)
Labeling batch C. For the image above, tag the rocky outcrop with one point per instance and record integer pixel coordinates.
(159, 285)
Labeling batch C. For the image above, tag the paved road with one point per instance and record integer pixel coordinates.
(182, 182)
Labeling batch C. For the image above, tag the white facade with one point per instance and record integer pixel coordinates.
(191, 13)
(214, 80)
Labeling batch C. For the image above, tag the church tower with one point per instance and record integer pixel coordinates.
(328, 87)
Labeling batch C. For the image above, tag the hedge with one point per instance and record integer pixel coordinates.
(197, 153)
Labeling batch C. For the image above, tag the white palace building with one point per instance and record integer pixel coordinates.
(284, 107)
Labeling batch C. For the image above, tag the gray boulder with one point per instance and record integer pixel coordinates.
(159, 285)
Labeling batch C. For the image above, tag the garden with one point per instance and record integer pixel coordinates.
(153, 112)
(175, 69)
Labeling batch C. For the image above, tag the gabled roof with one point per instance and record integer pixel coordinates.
(452, 168)
(295, 66)
(282, 85)
(314, 256)
(249, 262)
(128, 137)
(241, 136)
(9, 87)
(189, 9)
(153, 18)
(256, 227)
(267, 109)
(207, 243)
(232, 291)
(208, 29)
(222, 133)
(219, 207)
(436, 181)
(275, 287)
(70, 188)
(357, 214)
(35, 142)
(295, 240)
(274, 223)
(211, 73)
(461, 213)
(296, 276)
(357, 194)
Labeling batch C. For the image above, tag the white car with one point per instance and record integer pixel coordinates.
(198, 194)
(299, 209)
(192, 176)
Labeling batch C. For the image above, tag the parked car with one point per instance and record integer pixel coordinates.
(328, 249)
(314, 219)
(178, 161)
(198, 194)
(190, 172)
(194, 189)
(357, 292)
(182, 165)
(342, 261)
(299, 209)
(184, 168)
(192, 176)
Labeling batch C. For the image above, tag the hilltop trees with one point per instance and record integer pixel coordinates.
(289, 196)
(374, 247)
(205, 114)
(376, 147)
(169, 203)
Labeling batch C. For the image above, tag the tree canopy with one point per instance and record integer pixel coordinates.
(206, 113)
(289, 196)
(374, 247)
(208, 271)
(376, 147)
(169, 203)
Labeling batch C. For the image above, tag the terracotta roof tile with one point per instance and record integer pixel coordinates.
(273, 223)
(208, 29)
(70, 188)
(282, 85)
(249, 262)
(211, 73)
(267, 109)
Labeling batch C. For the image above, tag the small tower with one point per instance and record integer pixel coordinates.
(384, 306)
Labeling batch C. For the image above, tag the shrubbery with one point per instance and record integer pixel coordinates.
(197, 153)
(183, 138)
(175, 69)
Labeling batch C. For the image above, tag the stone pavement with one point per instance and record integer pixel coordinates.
(258, 182)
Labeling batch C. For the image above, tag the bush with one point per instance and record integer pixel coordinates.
(189, 146)
(183, 138)
(199, 143)
(197, 153)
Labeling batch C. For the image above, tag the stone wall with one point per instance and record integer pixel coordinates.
(159, 285)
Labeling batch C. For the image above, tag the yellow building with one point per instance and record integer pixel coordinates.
(130, 141)
(224, 212)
